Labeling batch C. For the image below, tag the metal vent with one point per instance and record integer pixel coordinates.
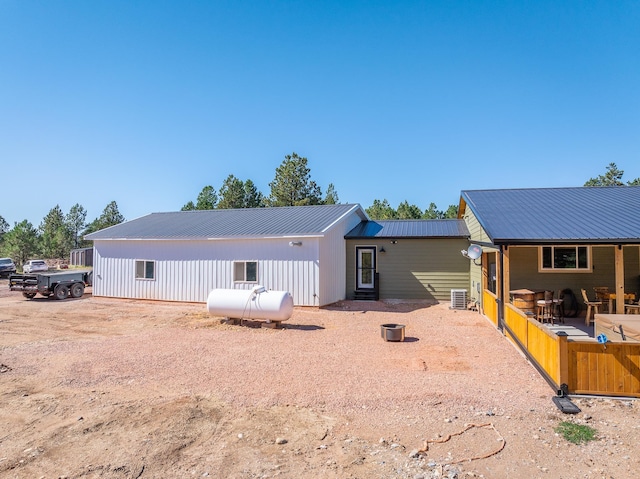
(458, 299)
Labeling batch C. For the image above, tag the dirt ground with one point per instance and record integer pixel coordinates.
(113, 388)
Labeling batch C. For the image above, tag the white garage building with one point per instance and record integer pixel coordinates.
(182, 256)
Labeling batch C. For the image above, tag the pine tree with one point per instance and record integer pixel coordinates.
(292, 185)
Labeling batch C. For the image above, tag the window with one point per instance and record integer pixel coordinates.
(245, 271)
(145, 269)
(565, 258)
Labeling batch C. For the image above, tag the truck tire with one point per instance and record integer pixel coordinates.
(29, 295)
(77, 290)
(61, 292)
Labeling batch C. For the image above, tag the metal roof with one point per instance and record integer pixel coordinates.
(231, 223)
(410, 229)
(558, 215)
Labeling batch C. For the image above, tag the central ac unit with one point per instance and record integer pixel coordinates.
(458, 299)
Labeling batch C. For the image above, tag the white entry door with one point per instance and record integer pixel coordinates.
(366, 267)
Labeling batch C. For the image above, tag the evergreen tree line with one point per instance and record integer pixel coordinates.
(293, 186)
(59, 233)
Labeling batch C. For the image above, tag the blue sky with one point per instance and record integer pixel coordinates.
(146, 102)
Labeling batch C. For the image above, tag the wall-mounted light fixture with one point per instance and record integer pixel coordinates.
(394, 241)
(295, 243)
(382, 249)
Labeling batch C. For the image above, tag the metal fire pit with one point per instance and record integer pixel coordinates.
(392, 332)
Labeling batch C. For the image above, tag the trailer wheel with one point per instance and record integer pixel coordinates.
(29, 295)
(61, 291)
(77, 290)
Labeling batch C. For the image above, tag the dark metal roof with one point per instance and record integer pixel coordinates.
(232, 223)
(410, 229)
(558, 215)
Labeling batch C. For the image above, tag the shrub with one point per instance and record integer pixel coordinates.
(576, 433)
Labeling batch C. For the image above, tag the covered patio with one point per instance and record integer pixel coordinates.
(548, 240)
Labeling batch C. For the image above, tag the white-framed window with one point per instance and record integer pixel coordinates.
(145, 269)
(570, 259)
(245, 271)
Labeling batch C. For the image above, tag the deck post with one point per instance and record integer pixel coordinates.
(503, 291)
(619, 275)
(563, 358)
(484, 269)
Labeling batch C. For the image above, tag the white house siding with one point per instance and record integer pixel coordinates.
(189, 270)
(333, 261)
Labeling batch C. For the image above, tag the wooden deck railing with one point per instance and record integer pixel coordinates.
(612, 371)
(542, 345)
(585, 366)
(490, 307)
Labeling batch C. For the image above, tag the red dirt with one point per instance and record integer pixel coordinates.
(100, 387)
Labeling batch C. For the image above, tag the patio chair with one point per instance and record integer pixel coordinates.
(632, 308)
(558, 306)
(545, 308)
(602, 295)
(591, 305)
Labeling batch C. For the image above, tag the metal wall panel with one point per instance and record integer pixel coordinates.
(81, 257)
(333, 261)
(189, 270)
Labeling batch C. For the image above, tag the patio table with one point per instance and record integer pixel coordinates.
(525, 299)
(612, 299)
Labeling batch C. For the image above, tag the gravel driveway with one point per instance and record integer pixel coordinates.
(99, 387)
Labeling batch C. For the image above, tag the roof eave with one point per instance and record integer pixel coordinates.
(220, 238)
(406, 237)
(565, 241)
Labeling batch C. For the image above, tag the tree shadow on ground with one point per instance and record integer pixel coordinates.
(302, 327)
(392, 306)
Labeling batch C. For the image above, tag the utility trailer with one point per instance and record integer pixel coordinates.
(60, 285)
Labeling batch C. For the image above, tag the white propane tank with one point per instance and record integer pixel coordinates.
(256, 303)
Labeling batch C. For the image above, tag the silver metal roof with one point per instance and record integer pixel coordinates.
(558, 215)
(232, 223)
(450, 228)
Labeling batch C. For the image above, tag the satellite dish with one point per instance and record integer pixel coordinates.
(474, 251)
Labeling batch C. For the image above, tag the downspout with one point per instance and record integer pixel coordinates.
(500, 295)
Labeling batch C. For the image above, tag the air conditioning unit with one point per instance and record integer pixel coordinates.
(458, 299)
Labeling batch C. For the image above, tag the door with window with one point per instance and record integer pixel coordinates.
(365, 267)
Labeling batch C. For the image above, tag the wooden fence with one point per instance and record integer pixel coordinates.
(612, 369)
(585, 366)
(490, 306)
(541, 345)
